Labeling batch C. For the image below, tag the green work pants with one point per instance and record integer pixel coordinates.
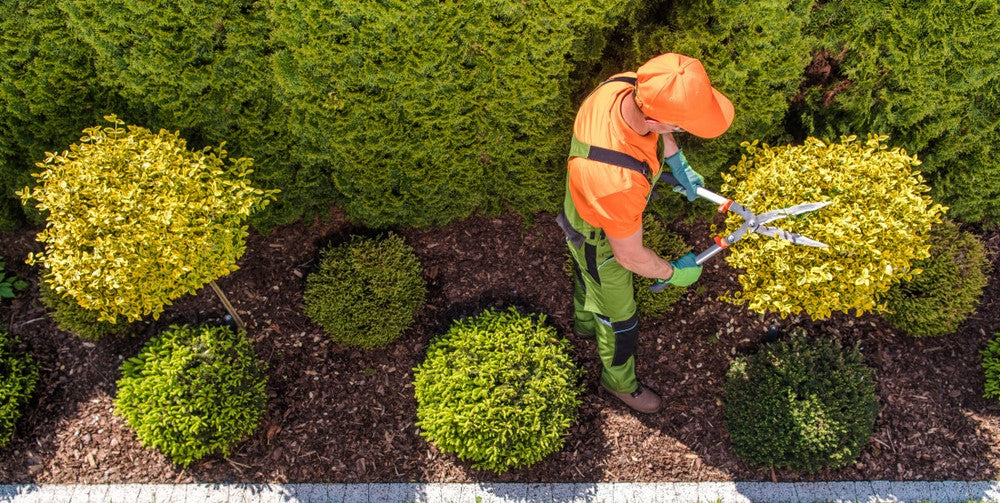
(604, 305)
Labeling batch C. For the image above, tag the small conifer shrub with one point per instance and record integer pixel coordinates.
(367, 291)
(193, 391)
(991, 367)
(946, 292)
(802, 404)
(876, 225)
(18, 377)
(499, 390)
(668, 245)
(78, 320)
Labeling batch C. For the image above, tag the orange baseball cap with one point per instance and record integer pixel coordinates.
(674, 89)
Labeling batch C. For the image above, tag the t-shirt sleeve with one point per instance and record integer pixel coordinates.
(620, 213)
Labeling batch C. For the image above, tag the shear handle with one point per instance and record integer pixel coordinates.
(701, 192)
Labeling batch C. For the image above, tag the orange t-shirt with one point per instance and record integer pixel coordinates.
(607, 196)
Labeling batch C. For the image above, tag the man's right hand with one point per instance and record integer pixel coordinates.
(686, 272)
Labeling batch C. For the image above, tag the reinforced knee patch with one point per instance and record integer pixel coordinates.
(626, 338)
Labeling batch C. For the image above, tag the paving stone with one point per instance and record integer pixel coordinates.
(726, 492)
(827, 491)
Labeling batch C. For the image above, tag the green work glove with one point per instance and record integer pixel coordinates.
(689, 179)
(686, 272)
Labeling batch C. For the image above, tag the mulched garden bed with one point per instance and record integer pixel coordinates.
(336, 414)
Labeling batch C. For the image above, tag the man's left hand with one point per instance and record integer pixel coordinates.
(689, 179)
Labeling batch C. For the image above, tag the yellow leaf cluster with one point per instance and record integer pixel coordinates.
(876, 227)
(135, 219)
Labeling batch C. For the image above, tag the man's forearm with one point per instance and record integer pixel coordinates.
(647, 263)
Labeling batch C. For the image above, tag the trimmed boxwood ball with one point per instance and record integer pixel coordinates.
(367, 291)
(946, 293)
(804, 404)
(193, 391)
(499, 390)
(76, 319)
(18, 377)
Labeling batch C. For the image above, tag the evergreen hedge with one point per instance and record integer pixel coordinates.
(923, 73)
(425, 111)
(203, 68)
(49, 91)
(946, 292)
(18, 377)
(500, 390)
(193, 391)
(802, 404)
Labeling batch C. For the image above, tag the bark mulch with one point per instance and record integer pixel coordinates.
(337, 414)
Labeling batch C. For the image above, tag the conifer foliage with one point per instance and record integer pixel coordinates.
(947, 291)
(754, 53)
(425, 111)
(923, 73)
(202, 68)
(135, 219)
(801, 404)
(49, 91)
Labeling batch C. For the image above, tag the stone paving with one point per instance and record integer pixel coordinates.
(686, 492)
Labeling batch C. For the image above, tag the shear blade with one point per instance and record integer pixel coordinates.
(794, 238)
(798, 209)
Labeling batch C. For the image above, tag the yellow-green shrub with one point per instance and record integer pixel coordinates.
(876, 227)
(135, 219)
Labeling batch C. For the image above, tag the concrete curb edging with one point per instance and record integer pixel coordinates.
(613, 492)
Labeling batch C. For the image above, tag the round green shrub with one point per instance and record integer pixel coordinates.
(938, 300)
(668, 245)
(802, 404)
(499, 389)
(78, 320)
(991, 367)
(18, 377)
(367, 291)
(193, 391)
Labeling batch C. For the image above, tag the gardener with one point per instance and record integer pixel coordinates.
(613, 165)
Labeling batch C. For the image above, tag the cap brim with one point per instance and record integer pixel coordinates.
(714, 121)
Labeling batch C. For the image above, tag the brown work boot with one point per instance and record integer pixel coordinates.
(642, 399)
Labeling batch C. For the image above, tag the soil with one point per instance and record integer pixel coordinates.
(337, 414)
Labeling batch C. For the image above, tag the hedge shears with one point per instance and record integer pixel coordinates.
(752, 222)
